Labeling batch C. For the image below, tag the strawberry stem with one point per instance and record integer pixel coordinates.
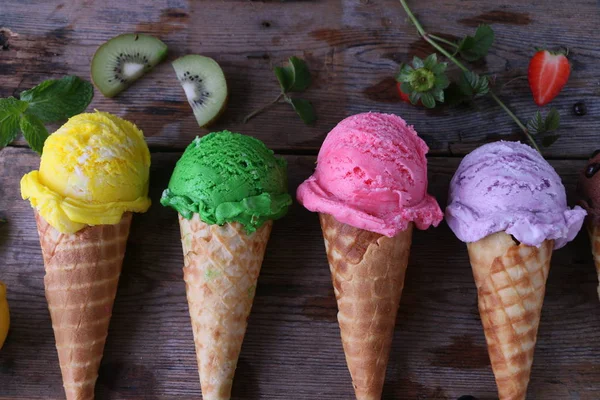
(442, 40)
(430, 39)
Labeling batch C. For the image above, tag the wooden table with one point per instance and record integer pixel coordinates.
(292, 348)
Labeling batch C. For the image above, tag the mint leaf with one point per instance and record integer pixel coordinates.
(294, 77)
(10, 114)
(34, 131)
(58, 99)
(285, 77)
(472, 48)
(473, 85)
(304, 109)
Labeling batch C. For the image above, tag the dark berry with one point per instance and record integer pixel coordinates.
(591, 169)
(467, 398)
(580, 109)
(595, 153)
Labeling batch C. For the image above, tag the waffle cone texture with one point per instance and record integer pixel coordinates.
(367, 270)
(222, 264)
(594, 231)
(511, 283)
(82, 275)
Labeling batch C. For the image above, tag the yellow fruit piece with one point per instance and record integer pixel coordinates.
(4, 315)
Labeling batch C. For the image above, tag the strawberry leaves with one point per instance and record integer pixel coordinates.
(293, 77)
(425, 80)
(472, 48)
(471, 85)
(539, 125)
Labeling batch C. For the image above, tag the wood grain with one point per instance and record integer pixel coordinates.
(353, 48)
(292, 350)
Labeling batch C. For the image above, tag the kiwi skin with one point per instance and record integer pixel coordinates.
(221, 111)
(110, 93)
(187, 65)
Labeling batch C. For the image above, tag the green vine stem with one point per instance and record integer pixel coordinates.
(431, 40)
(442, 40)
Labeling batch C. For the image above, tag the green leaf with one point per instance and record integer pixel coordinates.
(473, 85)
(472, 48)
(538, 124)
(404, 74)
(58, 99)
(406, 88)
(549, 140)
(430, 61)
(304, 109)
(294, 77)
(10, 114)
(439, 68)
(454, 95)
(417, 63)
(438, 94)
(441, 81)
(34, 131)
(285, 77)
(428, 100)
(552, 120)
(414, 97)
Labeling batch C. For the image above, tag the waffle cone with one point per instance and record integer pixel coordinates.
(367, 270)
(594, 231)
(221, 270)
(82, 274)
(511, 283)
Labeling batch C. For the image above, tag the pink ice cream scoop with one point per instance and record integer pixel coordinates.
(509, 187)
(372, 174)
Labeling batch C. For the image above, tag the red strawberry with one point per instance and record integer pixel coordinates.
(404, 96)
(548, 74)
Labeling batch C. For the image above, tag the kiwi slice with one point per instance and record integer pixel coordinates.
(124, 59)
(205, 86)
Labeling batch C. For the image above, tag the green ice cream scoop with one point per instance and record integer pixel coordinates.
(229, 177)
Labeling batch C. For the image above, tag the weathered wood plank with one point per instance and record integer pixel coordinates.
(292, 349)
(353, 48)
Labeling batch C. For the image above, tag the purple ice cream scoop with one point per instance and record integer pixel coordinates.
(508, 186)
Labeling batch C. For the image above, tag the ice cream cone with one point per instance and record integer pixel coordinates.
(594, 232)
(222, 264)
(368, 271)
(82, 274)
(511, 283)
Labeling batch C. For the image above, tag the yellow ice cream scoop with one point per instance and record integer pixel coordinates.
(93, 169)
(4, 315)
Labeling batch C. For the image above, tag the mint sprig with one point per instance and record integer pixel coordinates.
(56, 100)
(10, 114)
(293, 77)
(51, 101)
(34, 132)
